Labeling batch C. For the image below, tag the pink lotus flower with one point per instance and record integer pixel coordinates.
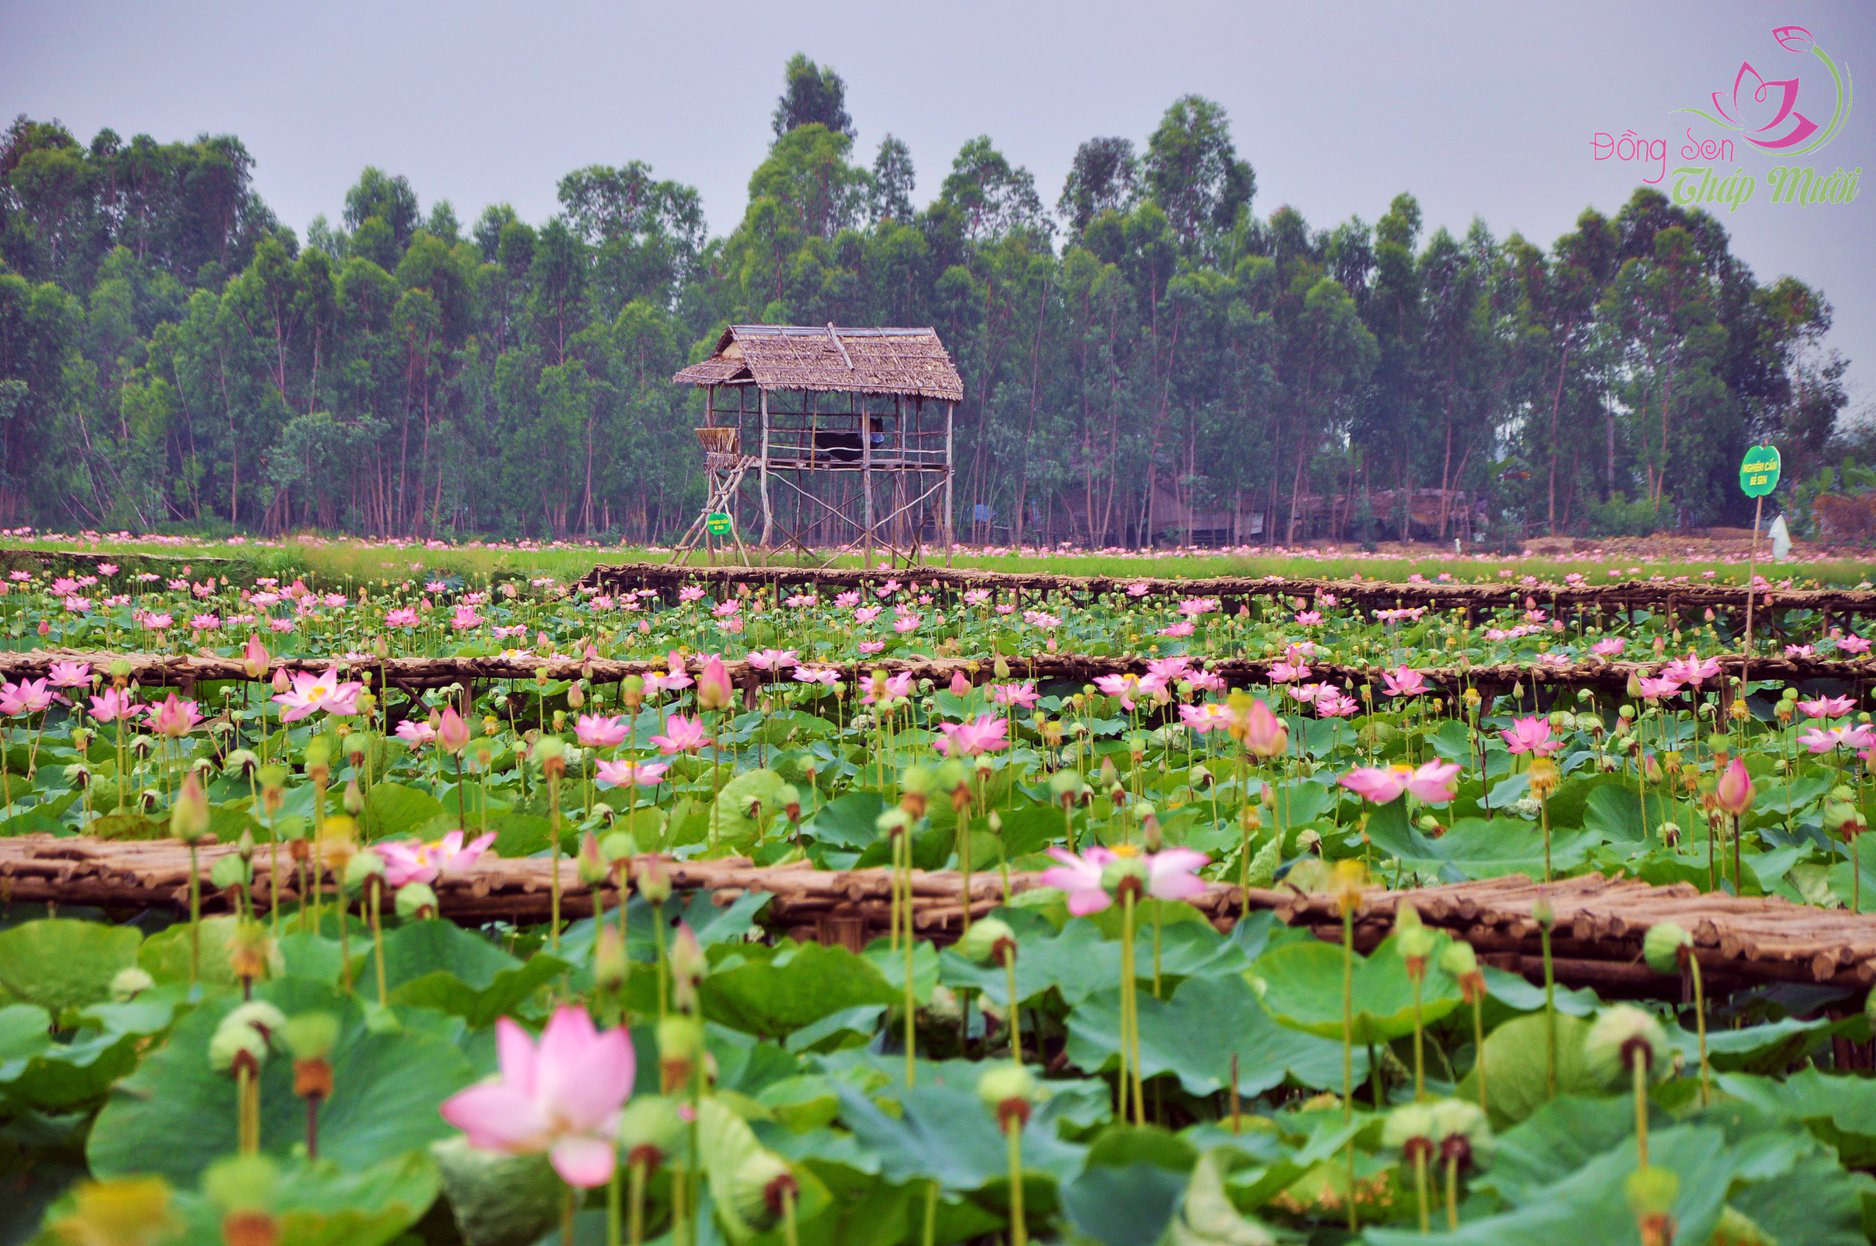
(1852, 644)
(1430, 782)
(600, 730)
(1211, 716)
(413, 861)
(960, 685)
(113, 705)
(1403, 681)
(892, 688)
(628, 773)
(69, 674)
(1286, 671)
(1733, 793)
(1827, 707)
(1530, 735)
(772, 659)
(1309, 618)
(1656, 688)
(1332, 702)
(416, 732)
(1608, 648)
(1176, 630)
(1091, 878)
(313, 693)
(563, 1097)
(28, 696)
(174, 718)
(1021, 695)
(1842, 736)
(681, 735)
(824, 675)
(403, 616)
(464, 618)
(1124, 686)
(1691, 670)
(985, 734)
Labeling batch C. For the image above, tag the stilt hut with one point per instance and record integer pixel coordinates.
(846, 434)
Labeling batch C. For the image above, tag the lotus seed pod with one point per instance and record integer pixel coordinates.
(1462, 1131)
(1666, 946)
(1409, 1129)
(1542, 913)
(1459, 959)
(229, 871)
(129, 983)
(362, 868)
(650, 1129)
(987, 940)
(1007, 1090)
(311, 1035)
(1415, 944)
(758, 1186)
(1621, 1035)
(617, 845)
(416, 900)
(235, 1043)
(260, 1016)
(1651, 1191)
(241, 1183)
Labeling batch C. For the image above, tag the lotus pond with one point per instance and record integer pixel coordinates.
(1093, 1062)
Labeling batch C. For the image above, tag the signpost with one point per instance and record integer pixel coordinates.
(1758, 476)
(719, 524)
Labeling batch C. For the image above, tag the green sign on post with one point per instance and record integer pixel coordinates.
(717, 523)
(1758, 471)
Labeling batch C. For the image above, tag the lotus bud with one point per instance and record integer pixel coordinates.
(551, 752)
(1542, 913)
(688, 968)
(610, 966)
(680, 1044)
(416, 901)
(129, 983)
(632, 692)
(364, 869)
(576, 696)
(1008, 1090)
(452, 731)
(1667, 947)
(189, 816)
(352, 799)
(654, 880)
(893, 822)
(1622, 1035)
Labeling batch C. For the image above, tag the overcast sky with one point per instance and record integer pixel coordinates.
(1477, 109)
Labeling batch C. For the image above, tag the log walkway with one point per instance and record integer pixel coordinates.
(1596, 941)
(185, 671)
(1622, 595)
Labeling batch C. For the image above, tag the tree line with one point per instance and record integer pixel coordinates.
(171, 355)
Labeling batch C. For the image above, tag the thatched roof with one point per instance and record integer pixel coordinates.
(830, 359)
